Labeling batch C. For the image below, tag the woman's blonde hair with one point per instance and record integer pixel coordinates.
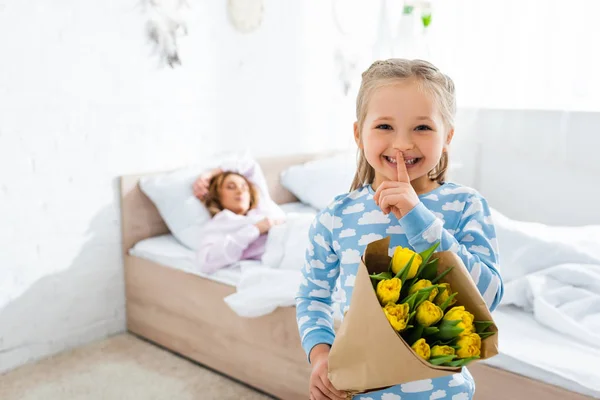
(382, 73)
(213, 199)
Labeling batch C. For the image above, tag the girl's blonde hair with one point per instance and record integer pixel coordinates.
(382, 73)
(213, 199)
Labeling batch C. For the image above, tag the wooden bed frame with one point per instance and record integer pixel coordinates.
(186, 314)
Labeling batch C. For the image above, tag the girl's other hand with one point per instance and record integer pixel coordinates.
(320, 388)
(397, 197)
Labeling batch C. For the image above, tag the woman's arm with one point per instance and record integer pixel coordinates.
(218, 250)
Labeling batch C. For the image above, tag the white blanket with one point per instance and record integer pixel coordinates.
(275, 284)
(565, 298)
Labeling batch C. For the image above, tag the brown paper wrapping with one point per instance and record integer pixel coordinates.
(369, 354)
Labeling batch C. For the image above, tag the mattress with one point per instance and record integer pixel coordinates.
(528, 348)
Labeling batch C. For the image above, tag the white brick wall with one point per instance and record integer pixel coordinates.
(82, 101)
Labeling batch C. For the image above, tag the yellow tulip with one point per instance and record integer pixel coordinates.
(401, 257)
(388, 290)
(428, 313)
(397, 314)
(422, 349)
(444, 294)
(422, 284)
(470, 346)
(441, 351)
(466, 318)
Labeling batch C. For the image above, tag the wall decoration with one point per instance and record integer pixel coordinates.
(165, 24)
(245, 15)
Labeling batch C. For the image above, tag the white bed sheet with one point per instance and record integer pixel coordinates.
(530, 349)
(168, 251)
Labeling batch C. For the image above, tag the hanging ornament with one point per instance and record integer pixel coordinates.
(165, 24)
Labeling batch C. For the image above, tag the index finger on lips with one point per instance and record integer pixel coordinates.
(401, 168)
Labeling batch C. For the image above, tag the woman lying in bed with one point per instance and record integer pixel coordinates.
(242, 212)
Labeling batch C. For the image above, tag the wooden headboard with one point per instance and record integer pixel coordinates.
(140, 218)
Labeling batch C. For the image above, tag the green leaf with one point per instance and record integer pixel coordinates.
(410, 300)
(426, 255)
(424, 265)
(446, 303)
(429, 272)
(481, 326)
(420, 299)
(410, 316)
(449, 329)
(439, 360)
(440, 276)
(461, 362)
(423, 294)
(381, 276)
(404, 271)
(415, 335)
(430, 330)
(441, 289)
(484, 335)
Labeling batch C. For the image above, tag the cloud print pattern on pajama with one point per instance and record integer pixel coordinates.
(457, 216)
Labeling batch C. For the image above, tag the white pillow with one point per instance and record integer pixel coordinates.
(172, 194)
(317, 182)
(528, 247)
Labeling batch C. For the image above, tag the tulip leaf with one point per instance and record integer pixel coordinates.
(481, 326)
(410, 316)
(423, 295)
(410, 300)
(441, 289)
(449, 330)
(440, 276)
(429, 272)
(484, 335)
(439, 360)
(429, 265)
(403, 273)
(415, 334)
(461, 362)
(426, 255)
(381, 276)
(446, 303)
(430, 330)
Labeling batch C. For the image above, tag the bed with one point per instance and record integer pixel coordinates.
(185, 313)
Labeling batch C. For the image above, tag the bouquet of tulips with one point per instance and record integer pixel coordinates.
(420, 312)
(422, 308)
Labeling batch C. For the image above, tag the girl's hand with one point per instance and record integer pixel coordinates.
(397, 197)
(320, 388)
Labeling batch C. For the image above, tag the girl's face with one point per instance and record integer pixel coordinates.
(234, 194)
(401, 116)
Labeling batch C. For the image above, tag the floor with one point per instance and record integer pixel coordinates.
(120, 367)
